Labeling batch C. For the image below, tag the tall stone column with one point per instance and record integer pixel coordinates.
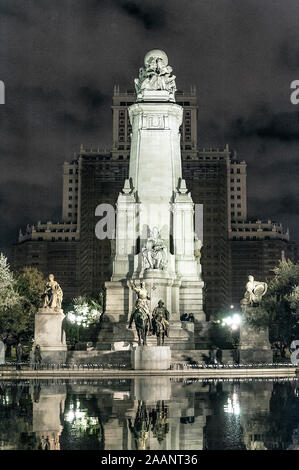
(155, 239)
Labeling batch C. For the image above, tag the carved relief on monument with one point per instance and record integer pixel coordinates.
(154, 253)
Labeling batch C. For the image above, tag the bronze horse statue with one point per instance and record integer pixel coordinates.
(142, 322)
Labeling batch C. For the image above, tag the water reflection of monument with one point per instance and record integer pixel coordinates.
(48, 409)
(159, 414)
(255, 405)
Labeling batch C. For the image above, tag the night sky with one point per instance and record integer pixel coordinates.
(60, 59)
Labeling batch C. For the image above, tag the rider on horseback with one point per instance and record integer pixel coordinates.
(141, 314)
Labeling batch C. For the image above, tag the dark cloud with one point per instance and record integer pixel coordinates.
(282, 126)
(61, 59)
(152, 17)
(91, 97)
(14, 9)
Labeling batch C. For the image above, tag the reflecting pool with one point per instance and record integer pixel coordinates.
(149, 413)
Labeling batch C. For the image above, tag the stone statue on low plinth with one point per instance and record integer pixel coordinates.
(141, 313)
(254, 343)
(53, 294)
(49, 331)
(154, 251)
(255, 290)
(156, 75)
(160, 323)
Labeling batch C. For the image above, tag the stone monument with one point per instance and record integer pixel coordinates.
(2, 352)
(155, 239)
(49, 331)
(254, 344)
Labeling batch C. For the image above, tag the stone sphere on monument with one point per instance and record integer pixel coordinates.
(155, 54)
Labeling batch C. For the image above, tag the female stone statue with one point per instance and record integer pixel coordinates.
(53, 294)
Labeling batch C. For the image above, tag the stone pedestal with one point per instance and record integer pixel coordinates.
(50, 335)
(254, 345)
(151, 358)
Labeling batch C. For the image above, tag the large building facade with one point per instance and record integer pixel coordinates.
(232, 246)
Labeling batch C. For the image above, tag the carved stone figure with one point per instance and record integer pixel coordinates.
(156, 75)
(160, 323)
(255, 290)
(142, 294)
(197, 247)
(53, 294)
(154, 251)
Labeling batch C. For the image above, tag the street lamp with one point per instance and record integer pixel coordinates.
(233, 321)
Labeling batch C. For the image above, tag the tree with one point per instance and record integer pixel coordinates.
(83, 315)
(9, 297)
(17, 321)
(279, 309)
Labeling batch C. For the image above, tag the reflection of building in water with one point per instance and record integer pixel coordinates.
(295, 440)
(48, 409)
